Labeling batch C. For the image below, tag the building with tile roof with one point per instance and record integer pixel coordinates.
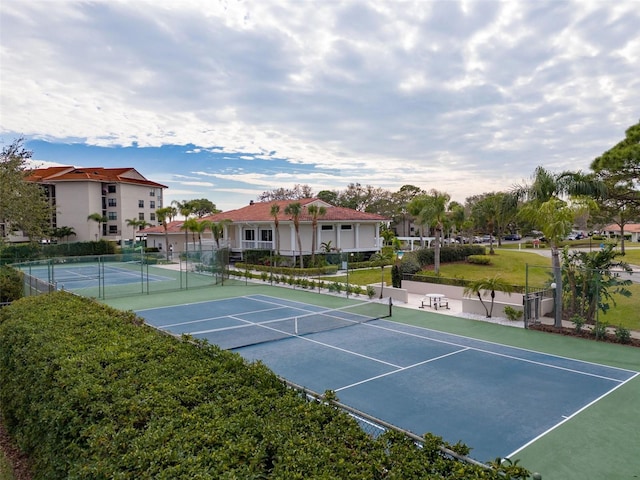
(117, 194)
(254, 227)
(631, 231)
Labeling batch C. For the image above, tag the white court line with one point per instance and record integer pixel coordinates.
(566, 419)
(400, 369)
(490, 352)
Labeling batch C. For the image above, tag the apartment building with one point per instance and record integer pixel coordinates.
(117, 194)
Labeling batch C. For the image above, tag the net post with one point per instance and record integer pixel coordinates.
(390, 306)
(295, 325)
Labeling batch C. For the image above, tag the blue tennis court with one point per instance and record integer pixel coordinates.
(494, 398)
(80, 276)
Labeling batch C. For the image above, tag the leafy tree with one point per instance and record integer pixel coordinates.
(23, 204)
(315, 211)
(621, 165)
(591, 279)
(328, 196)
(298, 192)
(553, 216)
(201, 207)
(488, 285)
(619, 170)
(401, 199)
(492, 212)
(295, 210)
(99, 219)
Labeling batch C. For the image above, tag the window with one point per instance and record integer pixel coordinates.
(326, 227)
(152, 216)
(140, 203)
(112, 202)
(112, 216)
(113, 229)
(111, 188)
(152, 193)
(141, 216)
(345, 227)
(266, 235)
(250, 235)
(152, 204)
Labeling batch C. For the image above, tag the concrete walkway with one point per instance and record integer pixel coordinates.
(455, 309)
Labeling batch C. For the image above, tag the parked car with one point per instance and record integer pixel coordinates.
(488, 238)
(512, 236)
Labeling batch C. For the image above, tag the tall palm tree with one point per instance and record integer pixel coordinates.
(134, 223)
(295, 210)
(191, 225)
(489, 285)
(217, 229)
(64, 232)
(315, 211)
(99, 219)
(431, 209)
(275, 212)
(184, 208)
(545, 208)
(165, 216)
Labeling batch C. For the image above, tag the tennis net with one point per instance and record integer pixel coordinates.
(248, 334)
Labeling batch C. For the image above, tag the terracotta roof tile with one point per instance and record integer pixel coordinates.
(261, 212)
(91, 174)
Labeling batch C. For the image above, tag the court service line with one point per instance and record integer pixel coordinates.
(218, 318)
(504, 355)
(401, 369)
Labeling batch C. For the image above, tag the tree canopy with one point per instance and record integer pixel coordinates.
(23, 204)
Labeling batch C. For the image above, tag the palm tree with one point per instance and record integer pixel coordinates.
(275, 212)
(383, 256)
(165, 216)
(184, 208)
(553, 216)
(134, 222)
(295, 210)
(217, 229)
(64, 232)
(315, 211)
(99, 219)
(489, 285)
(431, 210)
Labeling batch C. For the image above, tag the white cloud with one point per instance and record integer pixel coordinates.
(453, 95)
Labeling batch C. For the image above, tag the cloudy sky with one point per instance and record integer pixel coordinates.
(227, 99)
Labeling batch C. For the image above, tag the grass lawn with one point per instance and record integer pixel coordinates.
(511, 265)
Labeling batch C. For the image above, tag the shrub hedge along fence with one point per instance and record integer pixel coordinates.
(89, 392)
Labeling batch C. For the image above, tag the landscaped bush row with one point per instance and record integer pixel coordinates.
(33, 251)
(459, 253)
(88, 393)
(301, 272)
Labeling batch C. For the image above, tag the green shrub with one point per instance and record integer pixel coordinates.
(600, 330)
(479, 259)
(91, 395)
(578, 323)
(623, 335)
(370, 292)
(512, 313)
(11, 284)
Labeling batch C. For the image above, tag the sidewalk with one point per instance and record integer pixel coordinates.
(455, 309)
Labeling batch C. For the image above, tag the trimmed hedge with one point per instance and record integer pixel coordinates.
(33, 251)
(89, 393)
(459, 253)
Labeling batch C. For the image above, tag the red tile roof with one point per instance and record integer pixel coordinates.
(261, 212)
(628, 228)
(90, 174)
